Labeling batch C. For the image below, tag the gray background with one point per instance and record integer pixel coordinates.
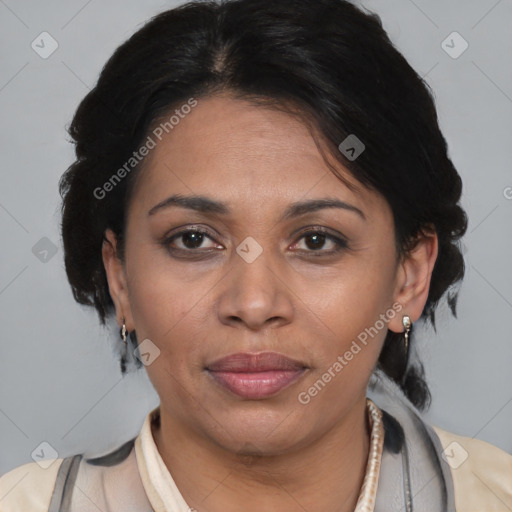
(59, 380)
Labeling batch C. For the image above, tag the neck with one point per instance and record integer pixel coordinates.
(324, 475)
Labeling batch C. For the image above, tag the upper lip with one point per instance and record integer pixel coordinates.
(255, 362)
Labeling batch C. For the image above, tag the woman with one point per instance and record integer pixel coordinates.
(263, 199)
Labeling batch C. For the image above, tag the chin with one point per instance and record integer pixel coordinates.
(260, 433)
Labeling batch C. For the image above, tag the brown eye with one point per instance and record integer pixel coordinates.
(316, 240)
(188, 240)
(192, 239)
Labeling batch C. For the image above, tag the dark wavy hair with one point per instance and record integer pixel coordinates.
(327, 60)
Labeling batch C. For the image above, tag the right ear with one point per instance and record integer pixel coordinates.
(116, 278)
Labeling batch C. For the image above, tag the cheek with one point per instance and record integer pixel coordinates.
(173, 321)
(350, 301)
(159, 299)
(352, 310)
(347, 354)
(357, 315)
(165, 313)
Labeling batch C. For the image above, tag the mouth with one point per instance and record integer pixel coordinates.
(256, 375)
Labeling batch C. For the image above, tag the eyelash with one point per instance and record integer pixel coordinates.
(340, 242)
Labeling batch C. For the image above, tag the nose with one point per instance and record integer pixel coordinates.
(255, 295)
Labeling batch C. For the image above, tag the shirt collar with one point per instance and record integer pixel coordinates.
(164, 495)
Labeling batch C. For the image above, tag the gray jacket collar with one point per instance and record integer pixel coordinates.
(413, 476)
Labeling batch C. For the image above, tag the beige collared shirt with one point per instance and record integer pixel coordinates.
(481, 472)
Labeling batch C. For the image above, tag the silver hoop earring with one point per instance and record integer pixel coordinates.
(123, 332)
(406, 322)
(124, 351)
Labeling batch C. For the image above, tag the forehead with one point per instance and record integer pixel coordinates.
(245, 154)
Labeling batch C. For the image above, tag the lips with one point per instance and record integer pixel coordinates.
(250, 362)
(256, 376)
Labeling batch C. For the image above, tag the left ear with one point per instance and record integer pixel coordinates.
(413, 278)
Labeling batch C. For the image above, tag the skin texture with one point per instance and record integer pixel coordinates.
(223, 451)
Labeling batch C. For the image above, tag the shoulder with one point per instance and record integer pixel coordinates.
(29, 487)
(481, 473)
(46, 485)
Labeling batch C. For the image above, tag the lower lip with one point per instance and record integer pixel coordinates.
(257, 384)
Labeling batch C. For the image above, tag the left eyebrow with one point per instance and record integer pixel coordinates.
(206, 205)
(313, 205)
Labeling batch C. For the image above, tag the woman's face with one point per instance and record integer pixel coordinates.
(308, 285)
